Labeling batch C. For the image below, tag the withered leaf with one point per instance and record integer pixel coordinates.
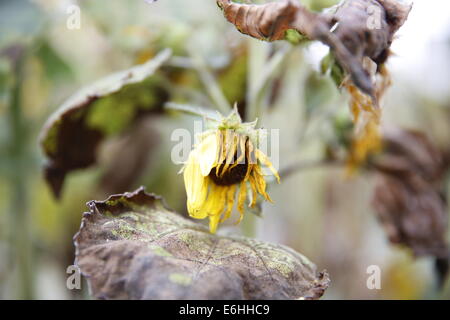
(270, 21)
(396, 13)
(71, 136)
(410, 217)
(347, 31)
(409, 198)
(409, 152)
(132, 247)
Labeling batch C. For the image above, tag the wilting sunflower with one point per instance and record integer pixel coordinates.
(221, 167)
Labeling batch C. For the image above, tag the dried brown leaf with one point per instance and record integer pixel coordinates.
(411, 152)
(409, 198)
(132, 247)
(353, 38)
(410, 217)
(271, 21)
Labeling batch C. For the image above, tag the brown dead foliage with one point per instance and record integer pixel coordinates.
(131, 246)
(357, 29)
(409, 196)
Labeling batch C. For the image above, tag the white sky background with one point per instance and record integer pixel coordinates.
(422, 49)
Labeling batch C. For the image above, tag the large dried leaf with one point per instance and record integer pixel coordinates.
(71, 136)
(409, 198)
(414, 218)
(132, 247)
(353, 38)
(270, 21)
(407, 153)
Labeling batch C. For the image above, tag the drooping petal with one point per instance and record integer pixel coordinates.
(241, 152)
(207, 154)
(231, 151)
(215, 205)
(210, 206)
(260, 183)
(196, 208)
(222, 150)
(196, 186)
(213, 223)
(230, 201)
(250, 153)
(367, 142)
(265, 160)
(241, 200)
(366, 117)
(254, 191)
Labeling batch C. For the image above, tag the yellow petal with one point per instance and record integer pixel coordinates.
(241, 152)
(207, 154)
(265, 160)
(366, 143)
(196, 209)
(254, 191)
(214, 205)
(260, 183)
(195, 184)
(222, 150)
(366, 117)
(231, 151)
(241, 200)
(213, 223)
(229, 201)
(250, 153)
(250, 164)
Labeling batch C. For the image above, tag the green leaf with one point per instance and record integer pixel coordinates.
(295, 37)
(329, 65)
(55, 67)
(131, 246)
(194, 110)
(319, 5)
(318, 92)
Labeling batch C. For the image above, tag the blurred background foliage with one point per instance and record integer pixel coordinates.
(317, 210)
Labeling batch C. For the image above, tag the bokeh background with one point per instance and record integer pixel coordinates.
(317, 211)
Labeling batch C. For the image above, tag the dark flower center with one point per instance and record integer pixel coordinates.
(231, 176)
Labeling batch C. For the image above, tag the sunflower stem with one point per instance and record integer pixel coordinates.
(305, 165)
(262, 69)
(212, 87)
(20, 232)
(249, 226)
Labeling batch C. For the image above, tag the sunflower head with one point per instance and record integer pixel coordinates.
(223, 168)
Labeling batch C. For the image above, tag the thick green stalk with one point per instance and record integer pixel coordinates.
(20, 233)
(261, 70)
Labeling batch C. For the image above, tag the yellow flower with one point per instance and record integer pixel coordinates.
(221, 167)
